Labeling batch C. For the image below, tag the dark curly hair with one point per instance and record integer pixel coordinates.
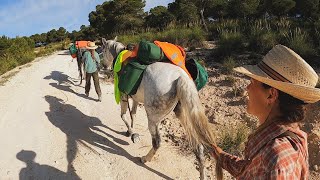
(292, 109)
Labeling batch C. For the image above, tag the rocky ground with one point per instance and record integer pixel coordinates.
(51, 130)
(224, 101)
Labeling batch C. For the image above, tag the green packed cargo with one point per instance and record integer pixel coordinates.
(149, 53)
(73, 49)
(197, 72)
(130, 77)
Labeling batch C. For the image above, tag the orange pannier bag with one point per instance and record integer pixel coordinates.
(81, 44)
(175, 54)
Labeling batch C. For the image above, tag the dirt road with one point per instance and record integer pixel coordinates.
(50, 130)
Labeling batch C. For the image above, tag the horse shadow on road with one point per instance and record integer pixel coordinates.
(34, 170)
(64, 83)
(60, 78)
(65, 53)
(81, 129)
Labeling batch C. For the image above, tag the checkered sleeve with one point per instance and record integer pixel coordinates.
(277, 174)
(233, 164)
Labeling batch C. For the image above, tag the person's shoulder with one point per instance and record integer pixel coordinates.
(86, 53)
(280, 153)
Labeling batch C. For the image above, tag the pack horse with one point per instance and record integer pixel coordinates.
(162, 92)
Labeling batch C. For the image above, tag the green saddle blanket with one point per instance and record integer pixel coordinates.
(130, 77)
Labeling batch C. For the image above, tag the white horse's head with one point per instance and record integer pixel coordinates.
(110, 49)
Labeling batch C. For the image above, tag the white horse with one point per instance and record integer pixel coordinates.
(165, 87)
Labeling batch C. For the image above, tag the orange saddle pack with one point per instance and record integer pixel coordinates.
(81, 44)
(175, 54)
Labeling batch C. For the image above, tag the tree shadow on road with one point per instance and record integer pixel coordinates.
(34, 170)
(80, 129)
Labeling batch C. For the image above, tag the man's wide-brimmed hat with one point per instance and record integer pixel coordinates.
(286, 71)
(91, 45)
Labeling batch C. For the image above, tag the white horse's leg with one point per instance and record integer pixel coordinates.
(154, 131)
(124, 106)
(200, 156)
(133, 112)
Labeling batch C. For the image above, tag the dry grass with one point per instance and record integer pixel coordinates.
(6, 78)
(228, 64)
(232, 138)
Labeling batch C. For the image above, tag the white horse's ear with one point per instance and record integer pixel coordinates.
(104, 41)
(116, 38)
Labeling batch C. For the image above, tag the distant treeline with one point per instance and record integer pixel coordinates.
(235, 25)
(20, 50)
(128, 17)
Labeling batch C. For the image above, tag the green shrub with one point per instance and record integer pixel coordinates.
(7, 63)
(182, 36)
(15, 52)
(232, 139)
(299, 41)
(261, 37)
(230, 41)
(282, 25)
(228, 64)
(229, 24)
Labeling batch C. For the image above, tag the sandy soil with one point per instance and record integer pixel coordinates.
(50, 130)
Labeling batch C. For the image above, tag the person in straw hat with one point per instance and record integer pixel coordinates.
(280, 87)
(92, 60)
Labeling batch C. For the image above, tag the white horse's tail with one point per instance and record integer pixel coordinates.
(193, 118)
(192, 114)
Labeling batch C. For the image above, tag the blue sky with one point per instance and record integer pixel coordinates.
(28, 17)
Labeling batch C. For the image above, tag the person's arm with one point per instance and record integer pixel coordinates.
(233, 164)
(97, 57)
(85, 59)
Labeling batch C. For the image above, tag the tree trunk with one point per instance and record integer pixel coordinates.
(203, 20)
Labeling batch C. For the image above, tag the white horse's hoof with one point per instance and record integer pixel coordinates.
(135, 138)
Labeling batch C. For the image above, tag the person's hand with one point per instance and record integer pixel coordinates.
(216, 151)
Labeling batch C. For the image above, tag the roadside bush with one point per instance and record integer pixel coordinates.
(232, 139)
(7, 63)
(185, 37)
(299, 41)
(230, 41)
(21, 49)
(15, 52)
(281, 25)
(228, 64)
(224, 24)
(182, 36)
(261, 37)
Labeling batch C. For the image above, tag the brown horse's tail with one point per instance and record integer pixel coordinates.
(193, 118)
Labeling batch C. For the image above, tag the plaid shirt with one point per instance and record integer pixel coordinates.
(269, 156)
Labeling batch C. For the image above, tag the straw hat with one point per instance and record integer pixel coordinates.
(286, 71)
(91, 45)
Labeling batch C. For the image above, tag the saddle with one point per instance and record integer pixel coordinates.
(131, 72)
